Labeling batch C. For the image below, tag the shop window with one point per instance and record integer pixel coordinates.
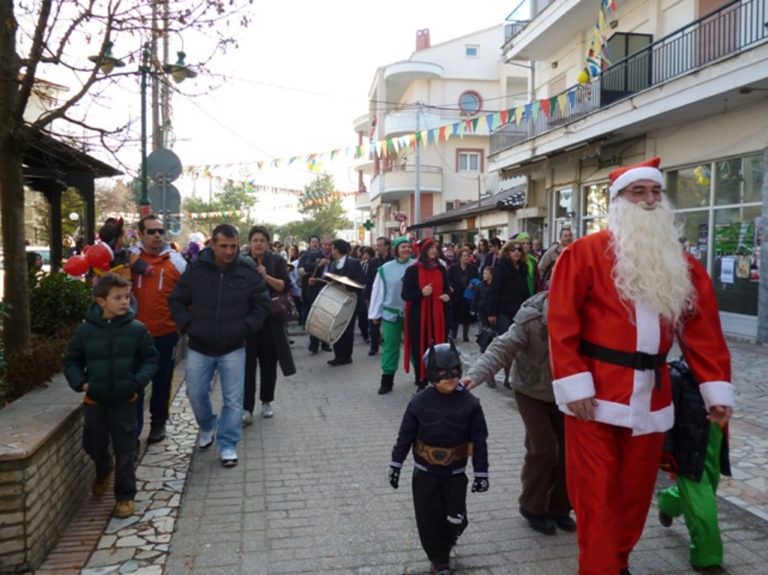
(696, 234)
(689, 187)
(738, 180)
(595, 210)
(735, 267)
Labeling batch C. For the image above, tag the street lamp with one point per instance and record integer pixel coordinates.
(178, 71)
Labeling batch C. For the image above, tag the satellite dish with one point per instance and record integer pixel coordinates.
(163, 166)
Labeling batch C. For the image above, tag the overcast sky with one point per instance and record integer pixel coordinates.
(302, 75)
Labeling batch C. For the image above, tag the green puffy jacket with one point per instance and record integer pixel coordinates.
(115, 357)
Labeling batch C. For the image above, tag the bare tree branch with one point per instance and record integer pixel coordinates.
(34, 55)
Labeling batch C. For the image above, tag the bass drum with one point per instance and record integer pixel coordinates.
(331, 313)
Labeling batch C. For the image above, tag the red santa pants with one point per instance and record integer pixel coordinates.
(611, 476)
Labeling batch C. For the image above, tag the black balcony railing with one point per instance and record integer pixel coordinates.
(728, 30)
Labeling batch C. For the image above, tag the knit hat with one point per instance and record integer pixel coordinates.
(397, 241)
(627, 175)
(521, 236)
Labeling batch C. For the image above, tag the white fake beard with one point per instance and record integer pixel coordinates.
(650, 264)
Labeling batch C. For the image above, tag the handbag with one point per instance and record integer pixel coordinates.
(280, 307)
(484, 338)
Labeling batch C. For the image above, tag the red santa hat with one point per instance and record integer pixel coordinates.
(626, 175)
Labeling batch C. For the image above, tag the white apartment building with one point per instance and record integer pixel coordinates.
(688, 81)
(438, 86)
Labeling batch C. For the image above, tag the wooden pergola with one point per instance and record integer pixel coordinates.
(51, 167)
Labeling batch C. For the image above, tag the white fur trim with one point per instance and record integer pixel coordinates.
(717, 393)
(635, 175)
(622, 415)
(573, 388)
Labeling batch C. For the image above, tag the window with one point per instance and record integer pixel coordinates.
(469, 161)
(595, 210)
(470, 102)
(471, 50)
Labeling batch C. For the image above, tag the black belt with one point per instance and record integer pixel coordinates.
(638, 360)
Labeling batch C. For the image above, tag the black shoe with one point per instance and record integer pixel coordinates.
(625, 571)
(156, 433)
(340, 361)
(366, 339)
(387, 382)
(373, 351)
(565, 522)
(326, 347)
(312, 350)
(665, 520)
(441, 569)
(540, 523)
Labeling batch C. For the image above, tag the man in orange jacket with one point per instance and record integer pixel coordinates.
(155, 274)
(617, 300)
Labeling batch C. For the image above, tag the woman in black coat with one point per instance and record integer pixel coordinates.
(509, 288)
(459, 276)
(269, 345)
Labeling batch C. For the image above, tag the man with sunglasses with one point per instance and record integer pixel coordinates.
(154, 276)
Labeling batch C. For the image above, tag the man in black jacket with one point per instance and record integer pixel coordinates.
(220, 300)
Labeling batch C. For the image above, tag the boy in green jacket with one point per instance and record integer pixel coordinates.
(110, 357)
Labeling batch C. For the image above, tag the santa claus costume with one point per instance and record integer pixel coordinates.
(612, 348)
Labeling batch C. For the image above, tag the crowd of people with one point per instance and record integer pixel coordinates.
(583, 327)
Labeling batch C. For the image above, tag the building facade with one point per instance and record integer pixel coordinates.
(437, 87)
(687, 81)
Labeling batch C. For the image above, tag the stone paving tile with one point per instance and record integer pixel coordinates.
(310, 493)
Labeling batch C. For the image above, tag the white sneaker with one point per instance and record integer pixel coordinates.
(228, 457)
(247, 418)
(266, 410)
(206, 438)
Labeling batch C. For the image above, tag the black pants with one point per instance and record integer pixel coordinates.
(117, 424)
(362, 317)
(260, 352)
(440, 502)
(375, 334)
(342, 349)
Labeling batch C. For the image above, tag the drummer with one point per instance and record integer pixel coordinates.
(345, 265)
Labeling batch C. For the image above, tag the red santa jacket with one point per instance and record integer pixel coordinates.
(584, 306)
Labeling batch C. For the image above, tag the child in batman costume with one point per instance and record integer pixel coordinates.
(443, 424)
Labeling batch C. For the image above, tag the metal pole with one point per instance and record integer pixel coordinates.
(144, 204)
(417, 167)
(479, 195)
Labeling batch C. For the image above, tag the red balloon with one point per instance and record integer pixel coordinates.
(76, 265)
(99, 256)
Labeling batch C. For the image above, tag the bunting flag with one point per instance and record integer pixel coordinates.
(597, 57)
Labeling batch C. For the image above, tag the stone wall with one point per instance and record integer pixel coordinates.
(44, 473)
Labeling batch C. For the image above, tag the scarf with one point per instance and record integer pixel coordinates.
(432, 315)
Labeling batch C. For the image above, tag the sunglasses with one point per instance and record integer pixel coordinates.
(516, 250)
(153, 231)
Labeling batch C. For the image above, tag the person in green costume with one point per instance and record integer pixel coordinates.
(387, 309)
(696, 450)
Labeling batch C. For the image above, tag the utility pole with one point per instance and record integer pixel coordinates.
(417, 167)
(479, 195)
(762, 300)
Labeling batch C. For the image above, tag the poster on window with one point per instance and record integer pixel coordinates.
(727, 270)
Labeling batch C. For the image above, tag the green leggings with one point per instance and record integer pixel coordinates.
(697, 503)
(392, 334)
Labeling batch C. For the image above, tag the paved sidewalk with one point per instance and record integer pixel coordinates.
(311, 496)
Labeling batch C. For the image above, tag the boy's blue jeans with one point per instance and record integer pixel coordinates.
(200, 372)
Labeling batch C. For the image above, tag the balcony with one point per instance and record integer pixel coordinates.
(400, 76)
(399, 181)
(728, 31)
(552, 21)
(410, 121)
